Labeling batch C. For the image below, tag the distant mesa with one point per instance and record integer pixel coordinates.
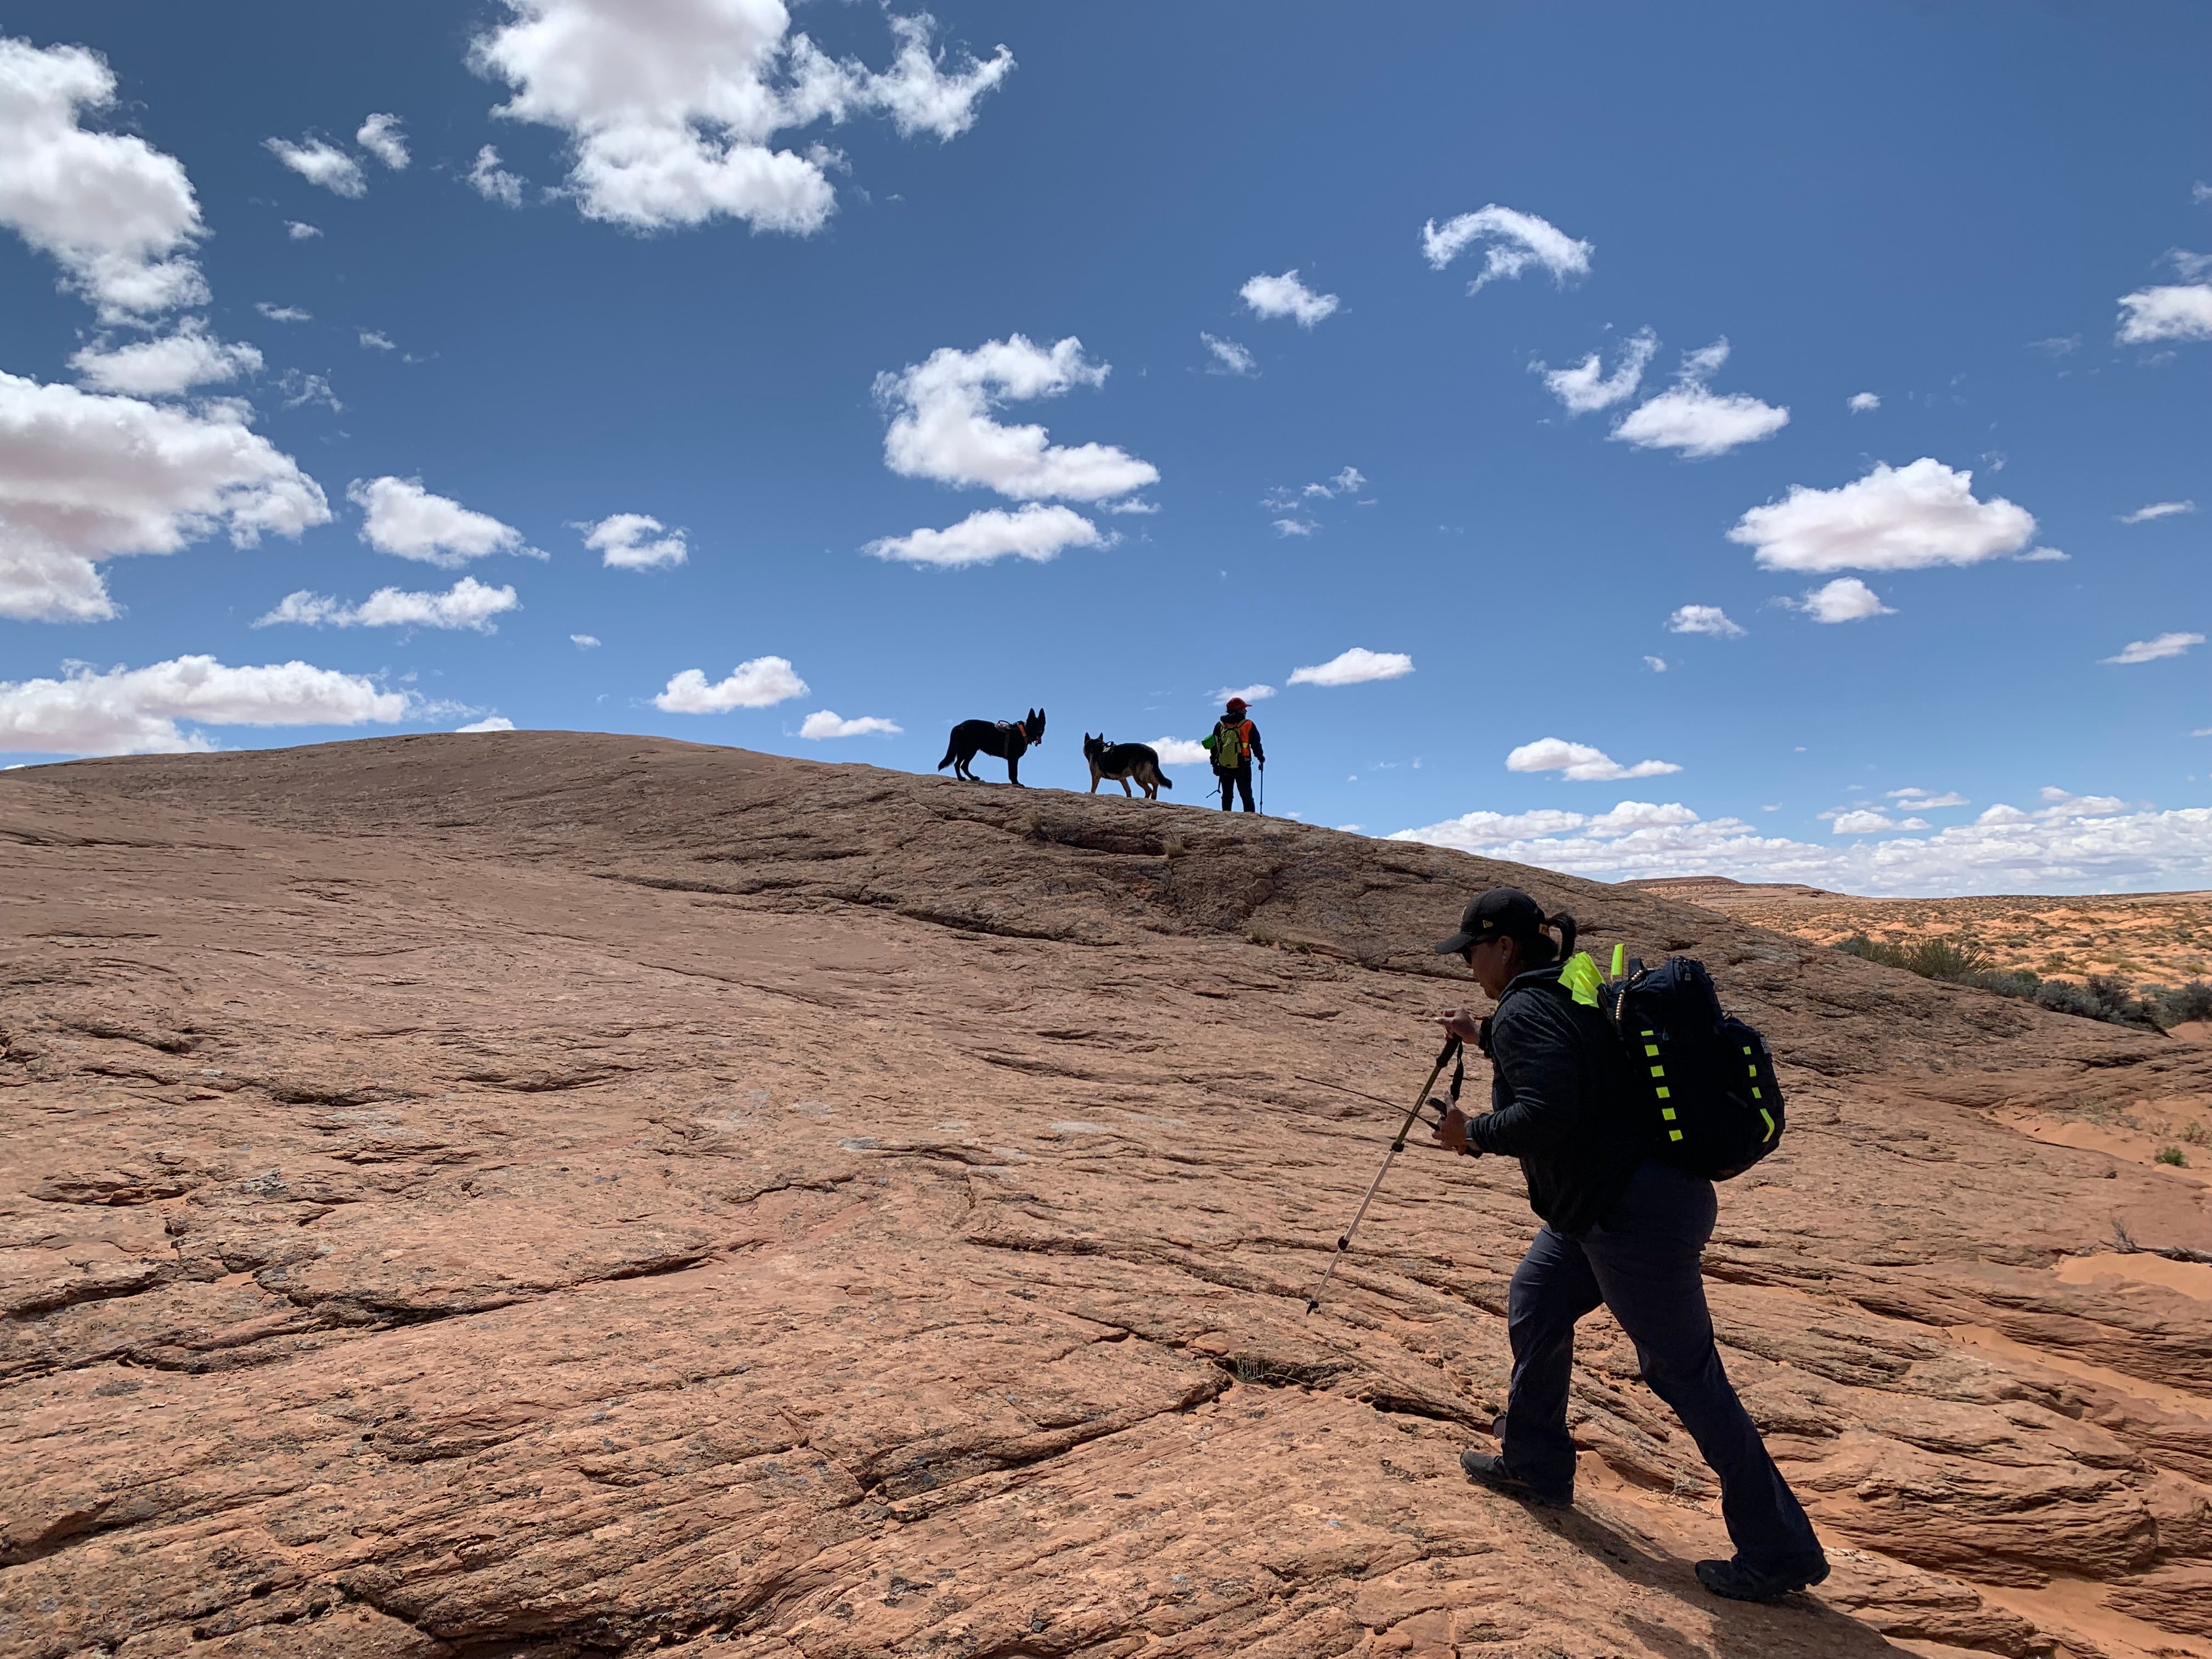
(1722, 890)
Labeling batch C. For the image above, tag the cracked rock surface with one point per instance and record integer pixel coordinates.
(542, 1194)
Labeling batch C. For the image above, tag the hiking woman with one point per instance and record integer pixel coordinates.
(1621, 1226)
(1235, 743)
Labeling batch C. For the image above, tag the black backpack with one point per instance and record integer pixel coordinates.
(1703, 1081)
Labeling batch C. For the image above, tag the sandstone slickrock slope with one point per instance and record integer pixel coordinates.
(542, 1194)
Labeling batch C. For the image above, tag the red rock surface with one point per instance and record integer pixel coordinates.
(547, 1195)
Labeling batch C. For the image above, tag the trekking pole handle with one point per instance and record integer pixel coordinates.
(1443, 1058)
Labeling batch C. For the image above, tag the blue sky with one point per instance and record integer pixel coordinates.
(657, 301)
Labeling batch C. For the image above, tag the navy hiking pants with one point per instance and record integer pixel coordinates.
(1240, 780)
(1641, 1261)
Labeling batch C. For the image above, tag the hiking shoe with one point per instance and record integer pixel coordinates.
(1492, 1472)
(1738, 1583)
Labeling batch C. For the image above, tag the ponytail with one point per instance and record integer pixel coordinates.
(1537, 949)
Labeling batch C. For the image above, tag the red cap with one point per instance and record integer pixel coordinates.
(1236, 705)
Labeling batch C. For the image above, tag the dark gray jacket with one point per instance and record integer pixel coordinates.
(1560, 1101)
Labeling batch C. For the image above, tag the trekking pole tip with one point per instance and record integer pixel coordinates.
(1313, 1305)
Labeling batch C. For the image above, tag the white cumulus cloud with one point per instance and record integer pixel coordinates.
(1346, 481)
(584, 642)
(1250, 693)
(381, 137)
(1585, 387)
(1867, 820)
(1271, 297)
(302, 390)
(1922, 800)
(1844, 599)
(1292, 502)
(2074, 844)
(672, 110)
(1355, 667)
(943, 426)
(85, 476)
(2151, 314)
(753, 684)
(401, 518)
(1863, 403)
(118, 215)
(1697, 420)
(2166, 645)
(828, 723)
(468, 603)
(1035, 532)
(1903, 518)
(276, 313)
(1580, 764)
(1180, 751)
(375, 340)
(1656, 665)
(1229, 357)
(161, 368)
(634, 541)
(489, 723)
(301, 232)
(1512, 243)
(1475, 832)
(1704, 619)
(494, 182)
(126, 711)
(2157, 510)
(320, 162)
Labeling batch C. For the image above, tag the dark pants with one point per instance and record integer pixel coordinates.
(1241, 779)
(1641, 1261)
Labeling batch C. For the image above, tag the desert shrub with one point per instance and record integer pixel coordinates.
(1955, 961)
(2116, 1001)
(2063, 997)
(2186, 1003)
(2174, 1155)
(1942, 958)
(2195, 1135)
(1873, 950)
(1962, 962)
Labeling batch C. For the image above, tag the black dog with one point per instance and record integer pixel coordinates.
(1006, 739)
(1118, 762)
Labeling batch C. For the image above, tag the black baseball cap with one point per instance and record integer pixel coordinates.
(1501, 913)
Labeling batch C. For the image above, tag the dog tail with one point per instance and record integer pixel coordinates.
(1166, 782)
(947, 761)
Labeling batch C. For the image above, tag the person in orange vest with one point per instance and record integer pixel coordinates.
(1235, 745)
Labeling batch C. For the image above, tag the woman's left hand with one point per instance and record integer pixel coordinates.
(1451, 1133)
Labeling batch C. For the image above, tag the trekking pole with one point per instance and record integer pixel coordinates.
(1444, 1057)
(1263, 789)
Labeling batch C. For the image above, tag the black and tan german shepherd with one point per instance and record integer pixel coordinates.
(1118, 762)
(1004, 739)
